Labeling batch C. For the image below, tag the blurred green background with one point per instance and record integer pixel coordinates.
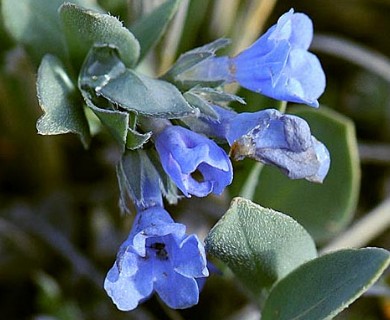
(60, 224)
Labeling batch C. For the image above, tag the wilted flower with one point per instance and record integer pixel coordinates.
(272, 138)
(195, 163)
(157, 257)
(277, 65)
(281, 140)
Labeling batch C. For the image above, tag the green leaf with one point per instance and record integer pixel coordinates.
(150, 28)
(136, 140)
(115, 121)
(60, 101)
(199, 16)
(104, 73)
(151, 97)
(84, 28)
(323, 209)
(101, 65)
(35, 24)
(260, 245)
(323, 287)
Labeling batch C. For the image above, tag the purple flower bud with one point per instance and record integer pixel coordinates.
(157, 257)
(195, 163)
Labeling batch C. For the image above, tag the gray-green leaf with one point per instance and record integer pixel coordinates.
(135, 139)
(84, 28)
(147, 96)
(150, 28)
(323, 287)
(115, 121)
(35, 24)
(105, 74)
(59, 99)
(260, 245)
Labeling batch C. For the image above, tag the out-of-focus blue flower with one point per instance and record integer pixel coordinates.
(281, 140)
(195, 163)
(277, 65)
(157, 257)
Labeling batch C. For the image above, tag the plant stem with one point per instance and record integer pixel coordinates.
(376, 153)
(248, 191)
(35, 225)
(253, 23)
(353, 52)
(282, 106)
(363, 231)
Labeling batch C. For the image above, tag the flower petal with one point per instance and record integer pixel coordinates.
(191, 262)
(281, 140)
(127, 292)
(324, 160)
(177, 291)
(153, 222)
(184, 152)
(297, 28)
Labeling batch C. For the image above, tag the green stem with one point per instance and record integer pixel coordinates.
(376, 153)
(354, 53)
(282, 106)
(249, 188)
(363, 231)
(35, 225)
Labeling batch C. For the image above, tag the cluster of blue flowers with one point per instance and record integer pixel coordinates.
(158, 256)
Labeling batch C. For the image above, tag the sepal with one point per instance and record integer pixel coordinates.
(139, 180)
(189, 60)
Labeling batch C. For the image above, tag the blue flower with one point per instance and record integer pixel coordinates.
(157, 257)
(281, 140)
(277, 65)
(195, 163)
